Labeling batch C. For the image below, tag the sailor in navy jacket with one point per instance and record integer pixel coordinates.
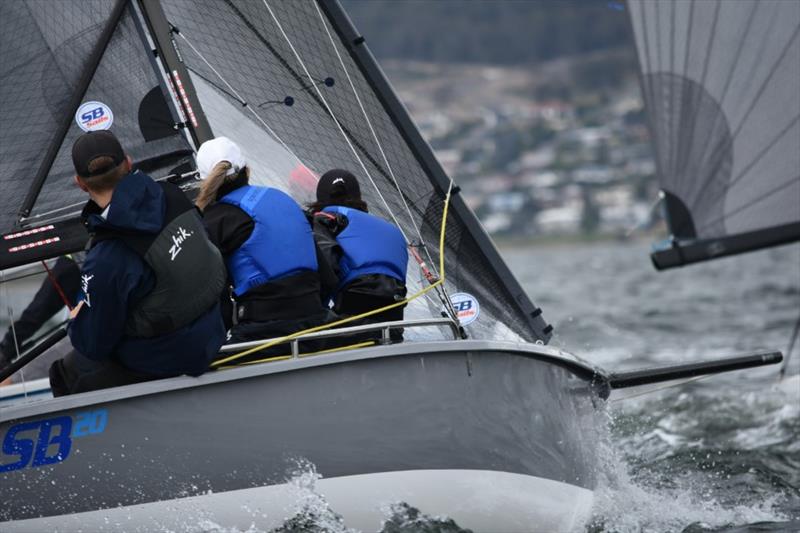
(367, 254)
(123, 330)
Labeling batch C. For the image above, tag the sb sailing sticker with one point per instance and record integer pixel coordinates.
(466, 306)
(94, 116)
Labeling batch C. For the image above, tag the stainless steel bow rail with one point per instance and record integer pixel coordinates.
(384, 327)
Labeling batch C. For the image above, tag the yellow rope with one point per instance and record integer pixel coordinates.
(347, 320)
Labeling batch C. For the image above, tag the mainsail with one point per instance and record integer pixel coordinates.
(721, 83)
(294, 84)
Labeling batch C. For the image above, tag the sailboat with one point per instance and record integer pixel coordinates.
(473, 416)
(721, 85)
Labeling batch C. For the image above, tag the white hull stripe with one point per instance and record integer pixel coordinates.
(480, 500)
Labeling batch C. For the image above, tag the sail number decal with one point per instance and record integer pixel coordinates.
(49, 441)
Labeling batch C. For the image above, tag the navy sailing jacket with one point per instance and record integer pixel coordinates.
(115, 279)
(280, 245)
(370, 245)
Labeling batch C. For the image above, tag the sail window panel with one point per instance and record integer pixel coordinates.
(124, 76)
(326, 128)
(270, 163)
(43, 47)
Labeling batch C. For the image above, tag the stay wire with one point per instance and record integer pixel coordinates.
(374, 135)
(335, 120)
(241, 100)
(441, 291)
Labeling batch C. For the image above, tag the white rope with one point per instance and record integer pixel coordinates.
(242, 100)
(375, 136)
(335, 120)
(56, 210)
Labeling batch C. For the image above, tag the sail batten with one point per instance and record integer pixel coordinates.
(722, 94)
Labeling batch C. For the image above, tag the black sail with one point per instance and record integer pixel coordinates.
(294, 85)
(54, 56)
(285, 81)
(721, 82)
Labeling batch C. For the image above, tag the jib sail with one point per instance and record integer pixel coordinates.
(721, 82)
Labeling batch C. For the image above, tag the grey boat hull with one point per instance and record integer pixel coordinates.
(467, 417)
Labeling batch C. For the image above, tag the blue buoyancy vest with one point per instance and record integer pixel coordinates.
(282, 243)
(370, 245)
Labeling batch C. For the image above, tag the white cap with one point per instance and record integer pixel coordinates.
(217, 150)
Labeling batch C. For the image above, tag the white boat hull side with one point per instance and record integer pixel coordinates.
(480, 500)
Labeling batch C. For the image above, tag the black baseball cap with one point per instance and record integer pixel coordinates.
(337, 183)
(94, 144)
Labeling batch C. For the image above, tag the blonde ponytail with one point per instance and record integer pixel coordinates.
(212, 183)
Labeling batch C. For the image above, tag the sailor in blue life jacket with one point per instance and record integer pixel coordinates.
(367, 254)
(148, 305)
(268, 247)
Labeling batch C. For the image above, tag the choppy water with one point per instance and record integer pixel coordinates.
(718, 454)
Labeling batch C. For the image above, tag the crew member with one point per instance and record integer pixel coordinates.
(368, 254)
(268, 248)
(149, 301)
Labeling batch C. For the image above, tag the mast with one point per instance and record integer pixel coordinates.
(89, 69)
(178, 75)
(372, 72)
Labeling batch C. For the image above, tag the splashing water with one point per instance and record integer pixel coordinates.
(686, 461)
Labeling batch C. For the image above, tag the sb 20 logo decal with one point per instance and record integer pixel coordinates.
(93, 116)
(49, 441)
(466, 307)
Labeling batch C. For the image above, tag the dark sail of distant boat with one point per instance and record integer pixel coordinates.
(721, 83)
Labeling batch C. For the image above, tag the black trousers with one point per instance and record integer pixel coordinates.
(75, 373)
(46, 303)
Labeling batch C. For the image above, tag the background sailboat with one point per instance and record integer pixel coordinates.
(722, 90)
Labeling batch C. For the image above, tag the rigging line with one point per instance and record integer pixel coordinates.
(672, 125)
(308, 90)
(755, 202)
(742, 173)
(57, 285)
(726, 87)
(650, 99)
(335, 120)
(693, 96)
(663, 387)
(242, 101)
(683, 147)
(372, 130)
(56, 210)
(322, 327)
(13, 329)
(718, 154)
(215, 85)
(790, 349)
